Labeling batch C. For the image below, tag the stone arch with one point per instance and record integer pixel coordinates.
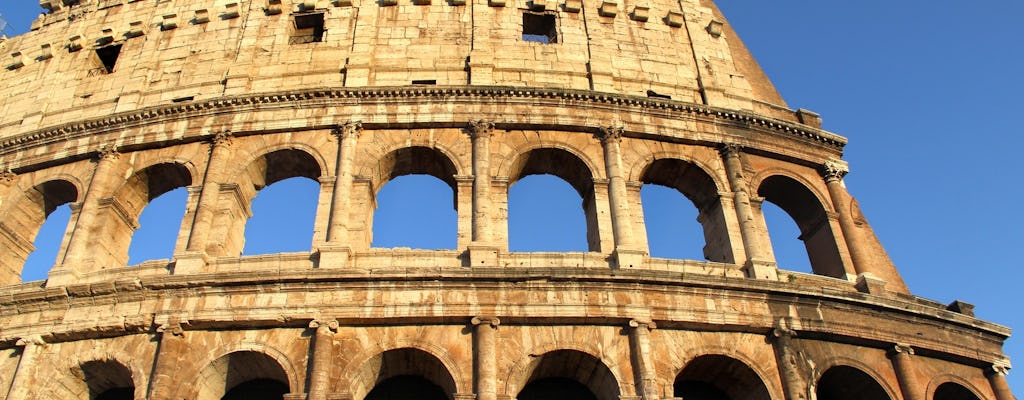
(377, 365)
(572, 364)
(222, 373)
(23, 217)
(951, 387)
(117, 218)
(806, 207)
(566, 164)
(717, 376)
(105, 377)
(702, 189)
(851, 380)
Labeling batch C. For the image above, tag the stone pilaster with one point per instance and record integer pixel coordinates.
(997, 378)
(833, 173)
(903, 363)
(482, 251)
(337, 251)
(21, 386)
(793, 383)
(757, 264)
(323, 351)
(485, 331)
(82, 246)
(169, 352)
(198, 249)
(626, 253)
(640, 356)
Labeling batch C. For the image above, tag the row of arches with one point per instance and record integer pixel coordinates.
(118, 212)
(412, 373)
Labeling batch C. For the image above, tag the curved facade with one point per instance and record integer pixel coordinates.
(115, 102)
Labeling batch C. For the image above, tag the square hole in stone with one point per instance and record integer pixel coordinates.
(539, 28)
(309, 28)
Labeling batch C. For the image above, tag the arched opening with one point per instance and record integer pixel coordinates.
(404, 373)
(108, 380)
(544, 215)
(283, 215)
(717, 377)
(47, 245)
(409, 200)
(790, 252)
(21, 224)
(664, 213)
(848, 383)
(571, 373)
(246, 375)
(118, 217)
(282, 191)
(570, 169)
(804, 208)
(423, 199)
(953, 391)
(159, 226)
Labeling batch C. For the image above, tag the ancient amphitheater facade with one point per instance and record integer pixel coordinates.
(111, 103)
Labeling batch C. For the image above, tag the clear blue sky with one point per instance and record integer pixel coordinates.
(928, 94)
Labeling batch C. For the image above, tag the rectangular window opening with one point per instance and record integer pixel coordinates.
(539, 28)
(425, 82)
(309, 28)
(108, 56)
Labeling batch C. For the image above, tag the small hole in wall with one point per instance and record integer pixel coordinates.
(425, 82)
(309, 28)
(539, 28)
(108, 56)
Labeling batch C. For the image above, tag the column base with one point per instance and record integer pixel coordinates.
(62, 275)
(193, 262)
(758, 269)
(481, 255)
(334, 257)
(868, 283)
(294, 396)
(628, 258)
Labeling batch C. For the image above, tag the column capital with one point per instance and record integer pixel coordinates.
(480, 129)
(729, 150)
(350, 129)
(834, 170)
(1001, 367)
(107, 152)
(221, 138)
(902, 348)
(639, 323)
(7, 176)
(783, 332)
(609, 134)
(488, 320)
(27, 340)
(330, 324)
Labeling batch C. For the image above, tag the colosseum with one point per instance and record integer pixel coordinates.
(112, 103)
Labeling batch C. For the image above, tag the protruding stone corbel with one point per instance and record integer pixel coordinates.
(231, 11)
(714, 28)
(201, 16)
(608, 9)
(641, 13)
(45, 52)
(834, 170)
(106, 37)
(674, 19)
(573, 6)
(17, 61)
(273, 7)
(135, 29)
(169, 22)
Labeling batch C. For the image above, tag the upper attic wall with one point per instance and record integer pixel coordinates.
(184, 50)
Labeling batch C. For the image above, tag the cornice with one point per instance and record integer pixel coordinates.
(343, 96)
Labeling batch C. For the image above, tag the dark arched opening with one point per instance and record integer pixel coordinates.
(571, 373)
(239, 375)
(848, 383)
(405, 372)
(809, 214)
(416, 202)
(569, 168)
(717, 377)
(20, 226)
(953, 391)
(699, 188)
(108, 380)
(257, 389)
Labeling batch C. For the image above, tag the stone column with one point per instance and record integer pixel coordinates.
(482, 251)
(172, 346)
(323, 352)
(757, 264)
(997, 378)
(833, 172)
(21, 385)
(336, 253)
(80, 246)
(197, 251)
(641, 357)
(789, 368)
(484, 329)
(903, 363)
(626, 253)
